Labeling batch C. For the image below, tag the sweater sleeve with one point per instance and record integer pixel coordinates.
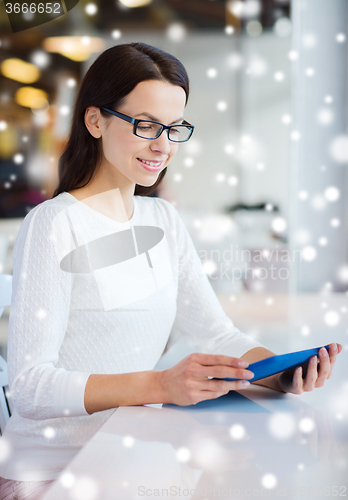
(200, 318)
(38, 320)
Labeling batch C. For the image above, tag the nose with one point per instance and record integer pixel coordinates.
(162, 144)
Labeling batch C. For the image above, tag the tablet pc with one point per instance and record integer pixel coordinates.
(276, 364)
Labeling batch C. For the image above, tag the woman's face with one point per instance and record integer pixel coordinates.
(149, 100)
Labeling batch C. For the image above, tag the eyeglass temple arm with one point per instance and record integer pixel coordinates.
(134, 120)
(121, 115)
(187, 123)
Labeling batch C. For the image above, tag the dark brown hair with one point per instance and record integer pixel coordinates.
(112, 76)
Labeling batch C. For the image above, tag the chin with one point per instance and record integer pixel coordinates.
(147, 184)
(149, 180)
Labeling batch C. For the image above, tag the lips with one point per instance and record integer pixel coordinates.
(151, 168)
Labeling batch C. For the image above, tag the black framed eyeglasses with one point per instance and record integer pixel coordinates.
(148, 129)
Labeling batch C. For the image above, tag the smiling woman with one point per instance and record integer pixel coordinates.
(130, 158)
(102, 274)
(104, 86)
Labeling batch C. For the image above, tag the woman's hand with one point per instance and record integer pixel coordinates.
(292, 380)
(187, 382)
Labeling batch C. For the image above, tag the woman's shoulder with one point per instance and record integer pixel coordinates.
(40, 228)
(44, 218)
(48, 208)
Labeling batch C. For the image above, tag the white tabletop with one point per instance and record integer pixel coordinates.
(293, 447)
(250, 443)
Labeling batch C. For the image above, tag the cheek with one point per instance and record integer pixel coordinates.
(174, 150)
(117, 146)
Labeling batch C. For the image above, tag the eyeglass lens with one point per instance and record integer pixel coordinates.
(149, 130)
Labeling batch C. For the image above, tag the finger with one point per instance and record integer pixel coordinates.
(218, 359)
(223, 386)
(333, 351)
(198, 396)
(297, 381)
(224, 372)
(205, 395)
(324, 367)
(312, 374)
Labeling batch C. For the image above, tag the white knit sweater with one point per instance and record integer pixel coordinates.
(81, 304)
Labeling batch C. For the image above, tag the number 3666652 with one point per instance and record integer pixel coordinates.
(33, 8)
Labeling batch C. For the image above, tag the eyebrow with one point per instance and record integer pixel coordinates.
(155, 119)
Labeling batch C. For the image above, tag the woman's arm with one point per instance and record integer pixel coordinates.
(185, 383)
(103, 392)
(39, 315)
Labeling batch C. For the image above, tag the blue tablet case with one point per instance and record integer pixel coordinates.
(276, 364)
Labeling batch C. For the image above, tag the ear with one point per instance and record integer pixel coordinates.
(93, 121)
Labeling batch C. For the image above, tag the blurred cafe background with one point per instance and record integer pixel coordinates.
(262, 185)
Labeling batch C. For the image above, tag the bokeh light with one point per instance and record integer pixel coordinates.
(269, 481)
(342, 273)
(237, 432)
(257, 67)
(286, 119)
(309, 41)
(183, 454)
(128, 441)
(303, 195)
(279, 224)
(293, 55)
(279, 76)
(91, 9)
(212, 73)
(49, 432)
(222, 106)
(340, 37)
(281, 425)
(331, 318)
(308, 253)
(67, 479)
(254, 28)
(306, 425)
(325, 116)
(282, 27)
(176, 32)
(40, 58)
(332, 193)
(339, 148)
(116, 34)
(309, 72)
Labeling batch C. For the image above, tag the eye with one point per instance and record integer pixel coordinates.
(145, 127)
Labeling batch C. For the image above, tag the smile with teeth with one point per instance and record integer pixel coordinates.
(151, 163)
